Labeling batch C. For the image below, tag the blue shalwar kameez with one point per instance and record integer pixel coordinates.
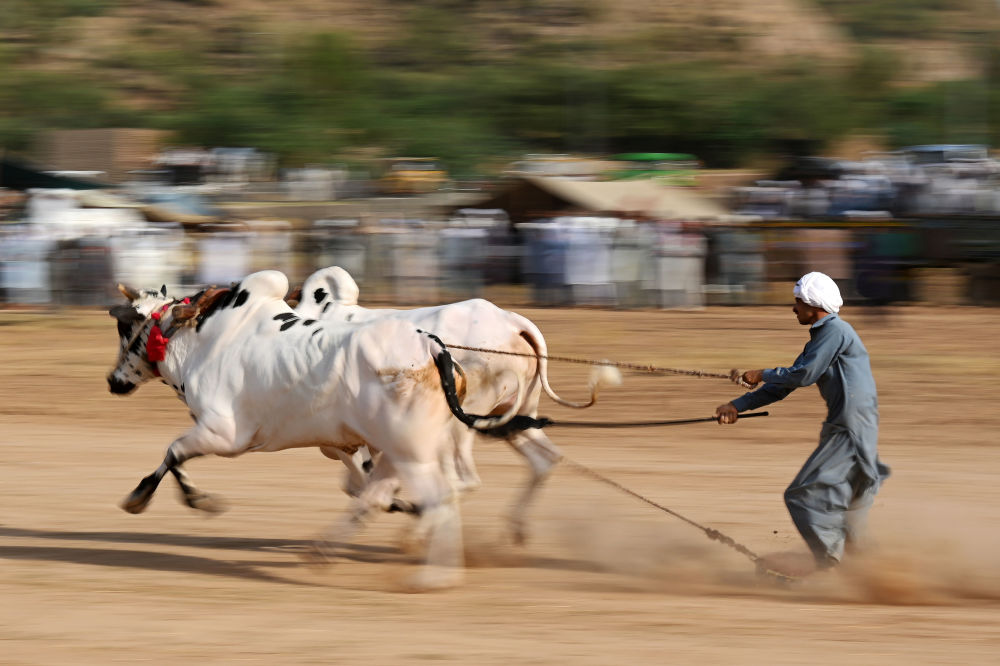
(830, 497)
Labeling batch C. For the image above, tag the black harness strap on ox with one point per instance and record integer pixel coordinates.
(446, 369)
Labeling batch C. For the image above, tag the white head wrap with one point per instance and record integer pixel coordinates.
(819, 290)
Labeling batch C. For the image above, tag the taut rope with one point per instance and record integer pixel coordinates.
(638, 367)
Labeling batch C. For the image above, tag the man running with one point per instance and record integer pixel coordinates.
(830, 498)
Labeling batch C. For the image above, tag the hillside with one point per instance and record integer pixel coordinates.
(173, 63)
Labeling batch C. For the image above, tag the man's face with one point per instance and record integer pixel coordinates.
(806, 314)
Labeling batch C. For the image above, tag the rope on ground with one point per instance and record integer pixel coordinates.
(637, 367)
(712, 534)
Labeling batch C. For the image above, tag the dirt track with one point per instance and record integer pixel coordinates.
(605, 579)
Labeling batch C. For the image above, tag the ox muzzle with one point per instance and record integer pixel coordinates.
(120, 387)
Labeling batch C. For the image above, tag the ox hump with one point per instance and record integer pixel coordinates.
(266, 285)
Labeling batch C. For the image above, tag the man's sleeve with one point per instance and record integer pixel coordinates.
(814, 360)
(765, 395)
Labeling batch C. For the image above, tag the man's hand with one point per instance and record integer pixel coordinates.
(726, 413)
(749, 379)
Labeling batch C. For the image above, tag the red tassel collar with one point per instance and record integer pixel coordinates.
(156, 343)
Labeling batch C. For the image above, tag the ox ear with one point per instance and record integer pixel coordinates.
(206, 301)
(128, 292)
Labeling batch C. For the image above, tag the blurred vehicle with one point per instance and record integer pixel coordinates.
(411, 175)
(943, 153)
(668, 168)
(558, 165)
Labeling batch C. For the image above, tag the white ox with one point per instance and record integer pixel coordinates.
(258, 378)
(495, 382)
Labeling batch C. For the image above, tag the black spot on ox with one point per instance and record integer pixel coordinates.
(283, 316)
(242, 298)
(228, 299)
(319, 295)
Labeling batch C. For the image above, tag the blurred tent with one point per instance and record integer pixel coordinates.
(529, 197)
(15, 175)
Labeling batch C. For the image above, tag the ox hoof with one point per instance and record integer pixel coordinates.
(210, 504)
(431, 578)
(138, 499)
(135, 503)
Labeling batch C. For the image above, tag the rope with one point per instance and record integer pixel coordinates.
(645, 424)
(638, 367)
(714, 535)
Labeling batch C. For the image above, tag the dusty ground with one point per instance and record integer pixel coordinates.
(605, 580)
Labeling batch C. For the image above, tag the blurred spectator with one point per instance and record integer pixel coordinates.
(340, 243)
(545, 262)
(588, 259)
(630, 252)
(415, 265)
(739, 259)
(24, 258)
(463, 252)
(680, 253)
(223, 255)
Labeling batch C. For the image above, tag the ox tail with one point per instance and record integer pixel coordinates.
(600, 376)
(503, 426)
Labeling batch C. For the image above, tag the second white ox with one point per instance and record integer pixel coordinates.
(257, 379)
(496, 383)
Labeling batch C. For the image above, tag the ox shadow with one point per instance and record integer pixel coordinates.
(175, 562)
(149, 560)
(371, 554)
(184, 540)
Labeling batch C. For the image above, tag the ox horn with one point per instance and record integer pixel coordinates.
(128, 292)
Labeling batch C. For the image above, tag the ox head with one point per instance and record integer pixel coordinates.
(134, 324)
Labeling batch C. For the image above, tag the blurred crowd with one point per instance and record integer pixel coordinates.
(879, 226)
(565, 260)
